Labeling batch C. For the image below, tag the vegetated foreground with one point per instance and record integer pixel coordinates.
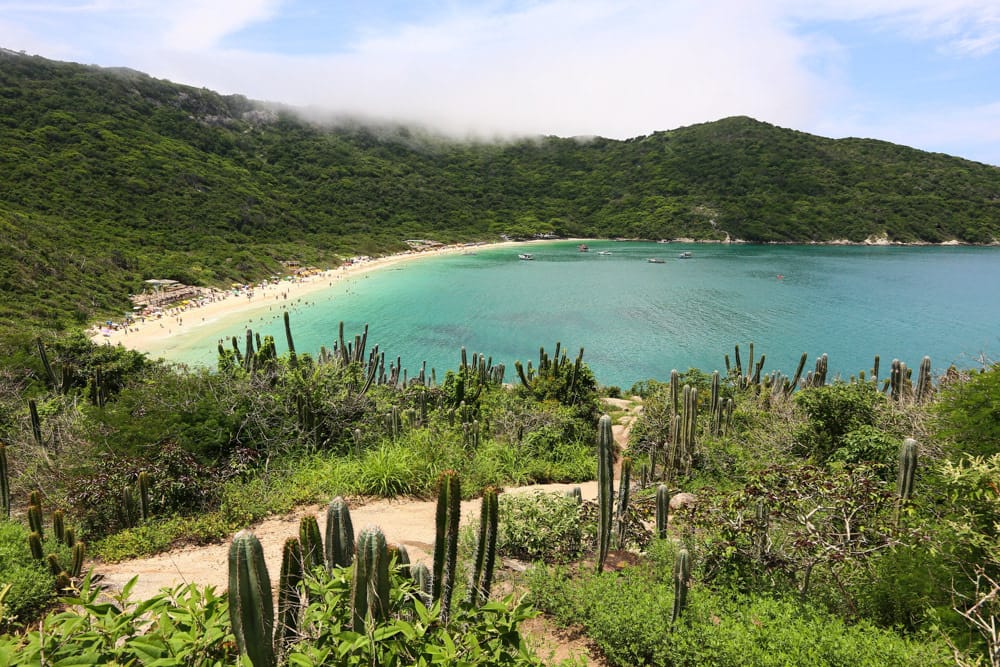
(754, 518)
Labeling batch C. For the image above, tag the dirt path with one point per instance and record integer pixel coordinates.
(404, 521)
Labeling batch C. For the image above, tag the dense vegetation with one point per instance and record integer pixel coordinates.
(109, 177)
(807, 541)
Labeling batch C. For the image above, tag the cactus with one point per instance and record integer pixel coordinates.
(4, 484)
(576, 494)
(53, 562)
(143, 487)
(59, 525)
(762, 524)
(63, 581)
(923, 389)
(662, 510)
(289, 597)
(35, 520)
(127, 509)
(70, 538)
(605, 488)
(251, 610)
(311, 542)
(339, 535)
(792, 384)
(624, 487)
(370, 589)
(35, 545)
(907, 469)
(486, 549)
(446, 539)
(682, 581)
(402, 559)
(423, 582)
(78, 552)
(292, 359)
(36, 423)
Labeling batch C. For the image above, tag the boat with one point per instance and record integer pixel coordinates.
(582, 247)
(525, 255)
(603, 252)
(655, 260)
(685, 255)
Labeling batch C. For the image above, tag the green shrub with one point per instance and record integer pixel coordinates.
(627, 615)
(32, 585)
(834, 411)
(872, 446)
(969, 413)
(542, 526)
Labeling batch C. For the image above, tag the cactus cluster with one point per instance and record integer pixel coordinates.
(554, 373)
(339, 535)
(370, 588)
(446, 539)
(486, 548)
(251, 610)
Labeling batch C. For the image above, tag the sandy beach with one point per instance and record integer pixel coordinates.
(157, 336)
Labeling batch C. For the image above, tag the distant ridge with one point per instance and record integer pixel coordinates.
(109, 177)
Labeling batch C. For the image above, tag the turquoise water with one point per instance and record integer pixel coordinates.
(638, 320)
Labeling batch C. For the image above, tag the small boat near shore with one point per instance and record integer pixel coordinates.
(685, 255)
(655, 260)
(525, 256)
(603, 252)
(583, 247)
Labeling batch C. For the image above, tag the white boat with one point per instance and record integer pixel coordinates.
(685, 255)
(525, 255)
(655, 260)
(603, 252)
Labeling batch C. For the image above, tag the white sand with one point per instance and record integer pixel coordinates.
(158, 336)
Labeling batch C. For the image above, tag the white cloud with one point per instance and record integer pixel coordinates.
(199, 25)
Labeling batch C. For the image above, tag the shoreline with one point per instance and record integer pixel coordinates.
(154, 335)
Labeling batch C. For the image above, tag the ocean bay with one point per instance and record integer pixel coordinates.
(638, 320)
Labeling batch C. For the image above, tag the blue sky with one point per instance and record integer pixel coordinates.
(924, 73)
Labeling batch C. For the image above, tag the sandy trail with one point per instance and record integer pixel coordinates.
(403, 520)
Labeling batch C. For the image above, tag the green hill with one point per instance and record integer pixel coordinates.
(109, 177)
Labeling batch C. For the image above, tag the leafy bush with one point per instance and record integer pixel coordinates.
(541, 526)
(872, 446)
(833, 412)
(627, 615)
(969, 413)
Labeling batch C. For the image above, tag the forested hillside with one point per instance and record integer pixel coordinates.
(109, 177)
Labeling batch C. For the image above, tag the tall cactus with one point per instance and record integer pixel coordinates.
(339, 534)
(35, 520)
(662, 510)
(4, 484)
(624, 487)
(907, 469)
(36, 422)
(289, 597)
(446, 539)
(35, 546)
(251, 610)
(370, 588)
(682, 581)
(143, 487)
(292, 359)
(486, 549)
(79, 550)
(923, 389)
(59, 525)
(311, 542)
(605, 488)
